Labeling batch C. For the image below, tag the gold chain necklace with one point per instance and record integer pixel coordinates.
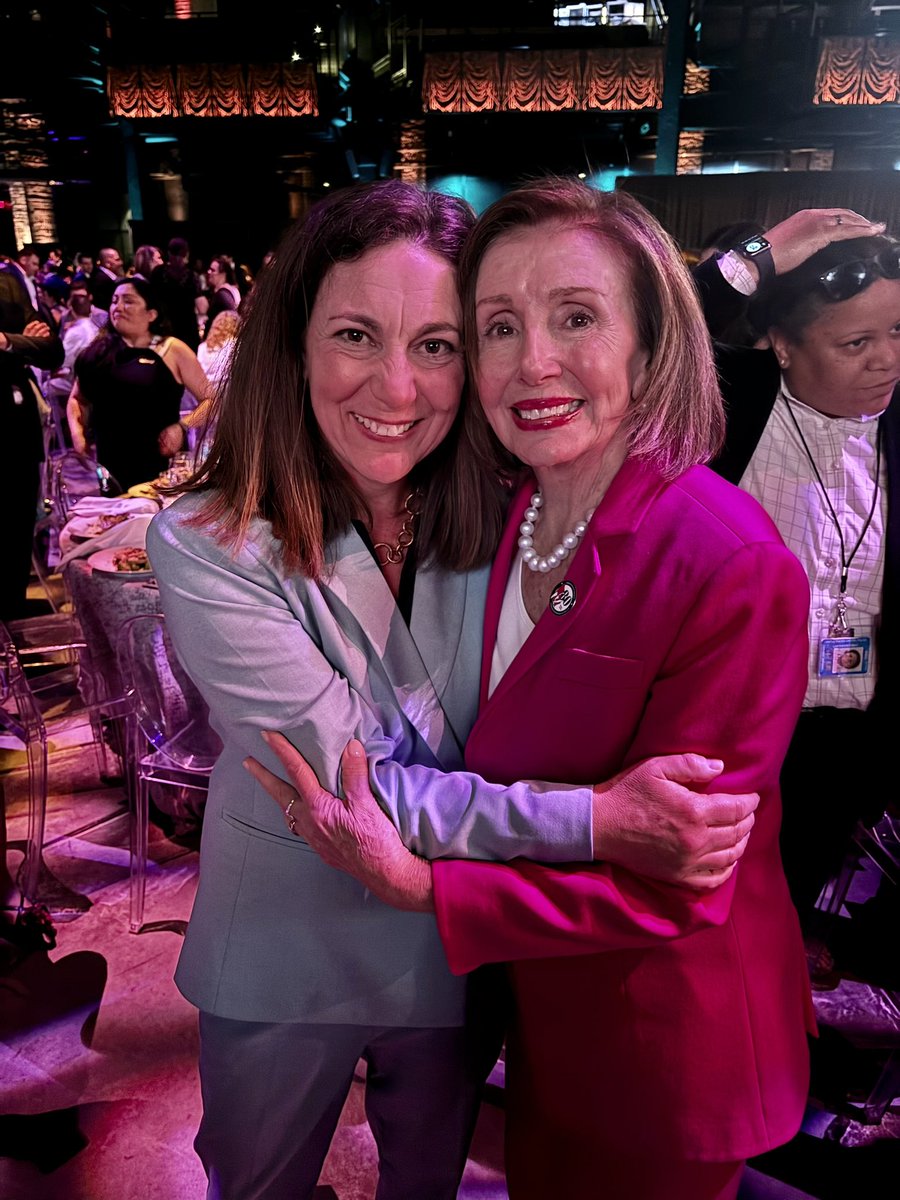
(395, 554)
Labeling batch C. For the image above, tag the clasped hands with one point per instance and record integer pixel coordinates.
(645, 819)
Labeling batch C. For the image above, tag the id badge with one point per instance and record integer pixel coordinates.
(844, 656)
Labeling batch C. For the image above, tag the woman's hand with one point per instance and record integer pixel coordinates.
(171, 440)
(353, 834)
(648, 820)
(800, 235)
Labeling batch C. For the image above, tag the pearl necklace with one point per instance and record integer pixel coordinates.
(568, 543)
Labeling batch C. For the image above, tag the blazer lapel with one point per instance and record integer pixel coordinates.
(619, 514)
(368, 616)
(439, 613)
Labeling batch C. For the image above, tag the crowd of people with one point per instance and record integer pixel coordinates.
(530, 655)
(123, 365)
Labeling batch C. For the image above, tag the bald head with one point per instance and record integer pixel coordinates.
(111, 259)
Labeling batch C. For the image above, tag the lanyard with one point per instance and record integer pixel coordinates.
(839, 625)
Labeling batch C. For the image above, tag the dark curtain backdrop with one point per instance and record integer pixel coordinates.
(692, 206)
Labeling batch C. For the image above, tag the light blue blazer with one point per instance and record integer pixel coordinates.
(276, 935)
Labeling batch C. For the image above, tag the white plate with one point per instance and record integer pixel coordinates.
(102, 560)
(88, 527)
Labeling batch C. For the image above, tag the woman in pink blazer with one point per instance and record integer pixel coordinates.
(639, 605)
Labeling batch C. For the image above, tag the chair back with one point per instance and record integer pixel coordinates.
(20, 715)
(19, 710)
(170, 712)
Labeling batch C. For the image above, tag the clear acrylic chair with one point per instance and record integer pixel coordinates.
(54, 655)
(24, 704)
(170, 742)
(21, 716)
(70, 477)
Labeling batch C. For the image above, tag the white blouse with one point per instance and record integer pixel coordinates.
(514, 627)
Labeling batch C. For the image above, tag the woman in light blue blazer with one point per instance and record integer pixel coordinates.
(325, 577)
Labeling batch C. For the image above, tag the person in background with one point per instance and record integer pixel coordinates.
(25, 342)
(146, 260)
(84, 266)
(104, 277)
(814, 435)
(53, 263)
(128, 389)
(176, 286)
(25, 268)
(724, 237)
(53, 294)
(223, 294)
(77, 329)
(214, 353)
(739, 332)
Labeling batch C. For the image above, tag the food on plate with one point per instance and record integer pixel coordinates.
(106, 521)
(132, 559)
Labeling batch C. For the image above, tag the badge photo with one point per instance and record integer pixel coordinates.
(844, 656)
(562, 598)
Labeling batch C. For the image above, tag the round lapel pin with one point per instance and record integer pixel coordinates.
(562, 598)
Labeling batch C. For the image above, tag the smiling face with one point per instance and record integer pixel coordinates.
(558, 357)
(384, 364)
(846, 362)
(129, 314)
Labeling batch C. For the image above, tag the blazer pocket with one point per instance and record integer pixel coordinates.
(600, 670)
(265, 835)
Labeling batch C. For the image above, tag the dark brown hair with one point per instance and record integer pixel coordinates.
(268, 458)
(678, 419)
(226, 267)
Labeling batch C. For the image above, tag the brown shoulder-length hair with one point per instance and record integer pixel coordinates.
(268, 458)
(677, 419)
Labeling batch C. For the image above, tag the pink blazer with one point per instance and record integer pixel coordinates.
(653, 1016)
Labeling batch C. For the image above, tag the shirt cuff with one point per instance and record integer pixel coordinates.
(734, 272)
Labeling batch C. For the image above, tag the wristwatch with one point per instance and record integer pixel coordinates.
(757, 250)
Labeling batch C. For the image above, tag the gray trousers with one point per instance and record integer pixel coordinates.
(273, 1093)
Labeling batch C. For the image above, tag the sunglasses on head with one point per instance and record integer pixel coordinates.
(849, 278)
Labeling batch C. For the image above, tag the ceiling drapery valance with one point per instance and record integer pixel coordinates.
(213, 90)
(543, 80)
(858, 71)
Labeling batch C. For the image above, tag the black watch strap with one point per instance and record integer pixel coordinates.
(758, 250)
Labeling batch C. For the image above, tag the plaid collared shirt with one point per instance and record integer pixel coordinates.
(780, 476)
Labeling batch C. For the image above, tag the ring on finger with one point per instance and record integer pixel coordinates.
(839, 220)
(291, 819)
